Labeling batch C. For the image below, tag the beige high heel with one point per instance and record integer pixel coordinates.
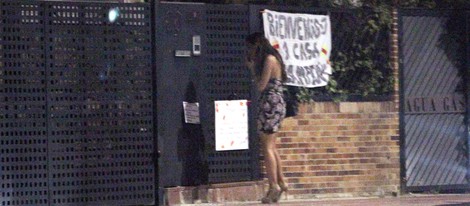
(272, 196)
(284, 188)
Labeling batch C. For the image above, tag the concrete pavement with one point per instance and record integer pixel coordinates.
(404, 200)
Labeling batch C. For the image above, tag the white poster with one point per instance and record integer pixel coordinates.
(191, 113)
(231, 125)
(304, 42)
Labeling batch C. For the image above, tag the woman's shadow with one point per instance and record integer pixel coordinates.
(191, 146)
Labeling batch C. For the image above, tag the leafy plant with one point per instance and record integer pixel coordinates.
(360, 56)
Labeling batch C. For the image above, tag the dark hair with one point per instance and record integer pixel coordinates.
(263, 50)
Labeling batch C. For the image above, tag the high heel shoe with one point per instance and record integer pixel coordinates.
(272, 196)
(284, 187)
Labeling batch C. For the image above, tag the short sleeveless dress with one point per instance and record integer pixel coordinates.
(272, 108)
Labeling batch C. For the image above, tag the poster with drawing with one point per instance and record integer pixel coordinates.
(231, 125)
(304, 42)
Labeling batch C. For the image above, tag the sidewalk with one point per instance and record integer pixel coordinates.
(406, 200)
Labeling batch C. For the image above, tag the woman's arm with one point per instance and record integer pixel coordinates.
(269, 66)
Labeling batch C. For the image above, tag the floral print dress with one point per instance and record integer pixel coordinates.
(272, 108)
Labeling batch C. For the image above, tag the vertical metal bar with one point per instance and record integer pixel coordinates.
(255, 25)
(402, 105)
(46, 68)
(156, 153)
(466, 76)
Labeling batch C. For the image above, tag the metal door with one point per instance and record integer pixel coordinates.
(188, 155)
(433, 103)
(178, 80)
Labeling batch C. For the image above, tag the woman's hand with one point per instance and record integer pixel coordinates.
(249, 63)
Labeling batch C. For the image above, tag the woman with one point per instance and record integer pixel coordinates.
(267, 67)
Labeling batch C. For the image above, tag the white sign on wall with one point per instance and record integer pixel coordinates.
(191, 113)
(304, 42)
(231, 125)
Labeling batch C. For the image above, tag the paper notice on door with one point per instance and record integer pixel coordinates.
(191, 113)
(231, 125)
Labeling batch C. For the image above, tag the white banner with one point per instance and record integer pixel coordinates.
(304, 42)
(231, 125)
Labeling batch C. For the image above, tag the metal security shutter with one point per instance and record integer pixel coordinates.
(99, 104)
(433, 104)
(225, 76)
(23, 128)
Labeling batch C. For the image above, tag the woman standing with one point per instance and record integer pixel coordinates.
(267, 67)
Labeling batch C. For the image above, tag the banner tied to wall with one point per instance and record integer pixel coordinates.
(304, 42)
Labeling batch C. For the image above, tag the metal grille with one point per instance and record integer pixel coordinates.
(224, 77)
(100, 104)
(434, 106)
(76, 120)
(23, 131)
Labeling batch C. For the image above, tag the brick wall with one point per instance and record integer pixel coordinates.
(345, 149)
(341, 149)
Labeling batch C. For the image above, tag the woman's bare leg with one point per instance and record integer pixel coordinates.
(280, 175)
(269, 150)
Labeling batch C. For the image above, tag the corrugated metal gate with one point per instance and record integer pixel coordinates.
(433, 101)
(76, 116)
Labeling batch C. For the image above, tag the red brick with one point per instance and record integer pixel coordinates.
(344, 138)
